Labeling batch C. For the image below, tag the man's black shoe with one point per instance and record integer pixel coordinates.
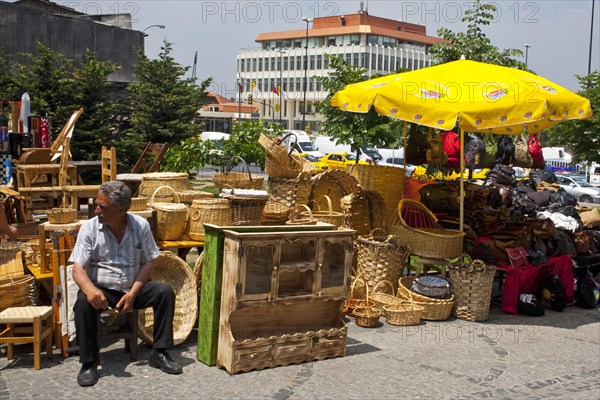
(161, 359)
(88, 375)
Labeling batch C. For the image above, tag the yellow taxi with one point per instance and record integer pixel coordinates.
(340, 160)
(319, 165)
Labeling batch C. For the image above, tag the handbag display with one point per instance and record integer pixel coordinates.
(517, 256)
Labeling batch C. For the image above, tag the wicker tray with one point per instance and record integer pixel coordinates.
(169, 268)
(417, 227)
(433, 309)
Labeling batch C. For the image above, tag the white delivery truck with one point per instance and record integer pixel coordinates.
(301, 142)
(594, 174)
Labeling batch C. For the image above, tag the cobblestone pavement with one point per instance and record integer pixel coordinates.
(508, 356)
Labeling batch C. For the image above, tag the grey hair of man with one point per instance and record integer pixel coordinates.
(118, 193)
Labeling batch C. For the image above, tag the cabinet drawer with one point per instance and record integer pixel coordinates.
(252, 354)
(291, 349)
(329, 343)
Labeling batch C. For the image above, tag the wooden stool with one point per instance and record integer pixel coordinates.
(40, 317)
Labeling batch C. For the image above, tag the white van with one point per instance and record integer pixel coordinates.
(303, 145)
(594, 175)
(218, 137)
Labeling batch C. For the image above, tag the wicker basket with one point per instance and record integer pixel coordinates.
(275, 213)
(364, 211)
(328, 216)
(18, 291)
(207, 211)
(385, 180)
(356, 297)
(198, 273)
(403, 314)
(238, 180)
(169, 268)
(170, 217)
(380, 257)
(417, 227)
(472, 286)
(334, 183)
(61, 215)
(381, 298)
(188, 196)
(291, 192)
(179, 182)
(433, 309)
(247, 208)
(11, 260)
(138, 204)
(301, 218)
(431, 286)
(367, 316)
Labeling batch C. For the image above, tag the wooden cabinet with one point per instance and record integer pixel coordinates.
(281, 298)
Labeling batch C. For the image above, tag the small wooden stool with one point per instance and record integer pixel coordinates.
(41, 319)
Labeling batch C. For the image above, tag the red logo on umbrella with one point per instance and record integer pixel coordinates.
(496, 94)
(430, 94)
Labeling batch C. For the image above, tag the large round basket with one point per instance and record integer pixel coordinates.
(291, 192)
(334, 183)
(380, 257)
(207, 211)
(433, 309)
(327, 215)
(238, 180)
(18, 291)
(188, 196)
(385, 180)
(472, 285)
(417, 227)
(364, 211)
(179, 182)
(168, 268)
(170, 217)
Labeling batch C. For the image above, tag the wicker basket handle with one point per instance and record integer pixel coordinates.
(175, 195)
(356, 278)
(329, 204)
(386, 282)
(294, 213)
(379, 234)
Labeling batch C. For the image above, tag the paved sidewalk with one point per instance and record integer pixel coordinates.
(508, 356)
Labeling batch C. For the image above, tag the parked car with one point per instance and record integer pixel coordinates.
(578, 187)
(371, 152)
(398, 162)
(340, 160)
(320, 166)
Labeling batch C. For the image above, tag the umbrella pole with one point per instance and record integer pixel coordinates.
(404, 151)
(461, 198)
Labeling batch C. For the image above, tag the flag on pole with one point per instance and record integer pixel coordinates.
(275, 90)
(282, 93)
(253, 85)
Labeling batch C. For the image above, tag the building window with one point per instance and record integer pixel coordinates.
(298, 85)
(292, 63)
(285, 63)
(354, 39)
(331, 41)
(254, 64)
(355, 59)
(312, 62)
(311, 84)
(326, 63)
(273, 64)
(297, 43)
(213, 108)
(299, 63)
(320, 61)
(372, 39)
(260, 64)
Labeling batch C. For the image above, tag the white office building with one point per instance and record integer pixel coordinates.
(380, 45)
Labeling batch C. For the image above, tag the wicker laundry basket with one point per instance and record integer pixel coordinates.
(170, 217)
(291, 192)
(472, 286)
(207, 211)
(178, 181)
(168, 268)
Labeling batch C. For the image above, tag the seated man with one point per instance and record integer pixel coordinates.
(113, 259)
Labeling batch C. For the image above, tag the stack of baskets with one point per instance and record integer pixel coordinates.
(275, 213)
(209, 211)
(367, 315)
(381, 257)
(336, 184)
(281, 162)
(416, 226)
(356, 297)
(171, 218)
(364, 211)
(385, 180)
(290, 191)
(168, 268)
(179, 182)
(472, 285)
(433, 309)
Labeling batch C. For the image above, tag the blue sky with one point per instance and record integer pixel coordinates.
(557, 31)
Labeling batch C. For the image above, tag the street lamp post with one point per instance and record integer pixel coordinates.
(281, 53)
(527, 46)
(307, 20)
(160, 26)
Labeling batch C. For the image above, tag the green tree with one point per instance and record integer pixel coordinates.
(352, 128)
(473, 43)
(243, 143)
(580, 137)
(163, 103)
(6, 76)
(49, 83)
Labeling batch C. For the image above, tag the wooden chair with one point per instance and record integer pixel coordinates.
(72, 193)
(149, 161)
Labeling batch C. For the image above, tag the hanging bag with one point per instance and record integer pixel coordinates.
(506, 150)
(435, 152)
(522, 158)
(535, 150)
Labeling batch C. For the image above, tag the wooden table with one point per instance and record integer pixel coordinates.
(183, 246)
(27, 174)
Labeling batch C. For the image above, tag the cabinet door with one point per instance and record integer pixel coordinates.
(297, 267)
(335, 259)
(257, 267)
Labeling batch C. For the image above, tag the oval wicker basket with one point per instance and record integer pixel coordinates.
(138, 204)
(188, 196)
(238, 180)
(433, 309)
(291, 192)
(170, 217)
(61, 215)
(207, 211)
(297, 218)
(328, 216)
(168, 268)
(355, 297)
(275, 213)
(178, 181)
(403, 314)
(382, 299)
(417, 227)
(367, 316)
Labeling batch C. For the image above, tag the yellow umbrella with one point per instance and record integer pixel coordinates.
(479, 97)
